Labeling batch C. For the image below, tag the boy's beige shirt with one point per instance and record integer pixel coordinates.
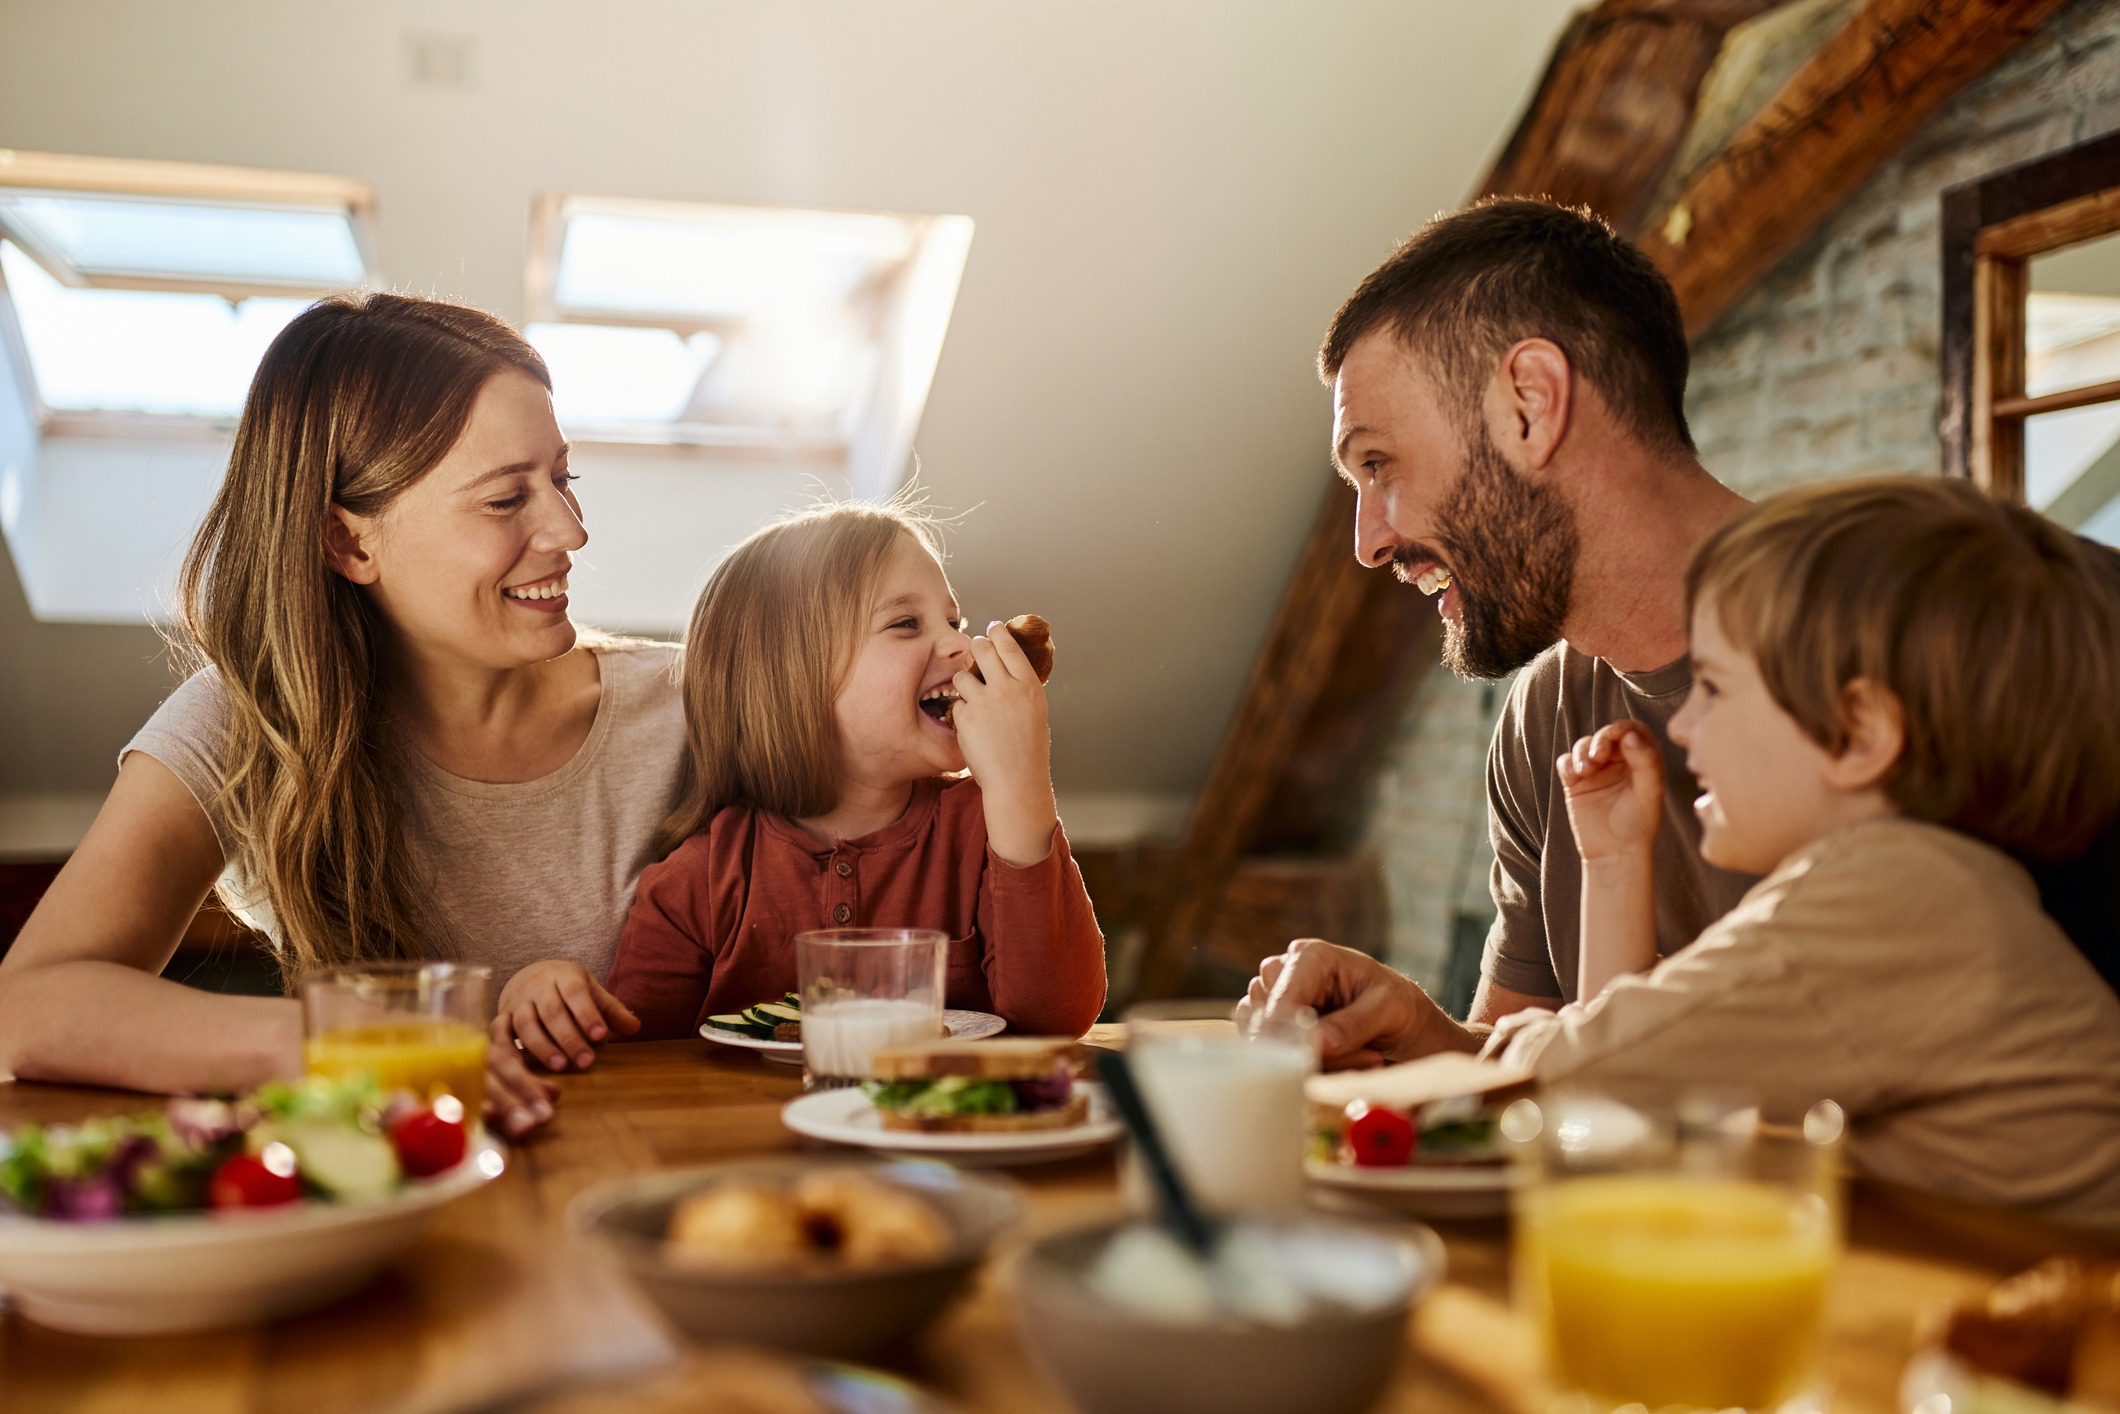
(1905, 971)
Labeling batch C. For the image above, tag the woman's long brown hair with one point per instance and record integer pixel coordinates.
(357, 399)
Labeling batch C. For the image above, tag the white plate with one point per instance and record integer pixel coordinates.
(962, 1026)
(847, 1117)
(1430, 1190)
(168, 1273)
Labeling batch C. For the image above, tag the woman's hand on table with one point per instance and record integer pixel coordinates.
(516, 1101)
(559, 1013)
(1367, 1012)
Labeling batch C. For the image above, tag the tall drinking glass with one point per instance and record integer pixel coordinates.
(418, 1026)
(1229, 1106)
(864, 989)
(1676, 1259)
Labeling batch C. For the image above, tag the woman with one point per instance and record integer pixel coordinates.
(397, 746)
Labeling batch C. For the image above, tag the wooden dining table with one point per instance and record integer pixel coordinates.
(497, 1301)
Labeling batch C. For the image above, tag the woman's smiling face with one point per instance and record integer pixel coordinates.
(470, 563)
(911, 643)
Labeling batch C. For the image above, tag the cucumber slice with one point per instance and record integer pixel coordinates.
(793, 999)
(742, 1026)
(778, 1011)
(341, 1160)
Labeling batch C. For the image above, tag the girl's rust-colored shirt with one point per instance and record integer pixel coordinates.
(713, 926)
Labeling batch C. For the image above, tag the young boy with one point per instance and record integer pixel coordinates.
(1894, 681)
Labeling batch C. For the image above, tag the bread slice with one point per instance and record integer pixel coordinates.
(999, 1058)
(1067, 1116)
(1409, 1086)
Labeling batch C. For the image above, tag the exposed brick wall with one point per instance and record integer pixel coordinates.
(1425, 812)
(1828, 369)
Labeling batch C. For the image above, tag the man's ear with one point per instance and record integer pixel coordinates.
(1530, 402)
(1877, 735)
(348, 539)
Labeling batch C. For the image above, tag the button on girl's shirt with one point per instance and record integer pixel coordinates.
(845, 868)
(842, 913)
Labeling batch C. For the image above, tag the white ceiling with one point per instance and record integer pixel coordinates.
(1171, 198)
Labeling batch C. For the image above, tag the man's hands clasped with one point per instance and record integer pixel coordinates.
(1367, 1013)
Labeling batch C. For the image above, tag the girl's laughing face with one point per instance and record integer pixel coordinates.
(892, 709)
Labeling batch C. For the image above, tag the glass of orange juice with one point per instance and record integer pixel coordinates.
(418, 1026)
(1677, 1259)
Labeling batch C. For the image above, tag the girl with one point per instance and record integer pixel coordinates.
(826, 725)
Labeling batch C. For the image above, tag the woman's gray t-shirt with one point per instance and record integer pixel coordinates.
(514, 872)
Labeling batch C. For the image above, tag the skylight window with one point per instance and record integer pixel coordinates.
(153, 288)
(801, 331)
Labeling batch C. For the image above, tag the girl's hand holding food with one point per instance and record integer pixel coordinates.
(1002, 731)
(1614, 782)
(559, 1012)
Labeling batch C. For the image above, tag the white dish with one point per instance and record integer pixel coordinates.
(165, 1274)
(1432, 1190)
(847, 1117)
(962, 1026)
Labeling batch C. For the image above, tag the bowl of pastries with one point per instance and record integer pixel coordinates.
(829, 1259)
(2042, 1342)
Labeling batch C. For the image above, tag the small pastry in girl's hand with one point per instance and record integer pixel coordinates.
(1035, 637)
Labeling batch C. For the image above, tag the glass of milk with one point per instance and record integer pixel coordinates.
(864, 989)
(1229, 1106)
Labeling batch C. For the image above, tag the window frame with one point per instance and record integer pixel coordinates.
(549, 212)
(1992, 229)
(193, 181)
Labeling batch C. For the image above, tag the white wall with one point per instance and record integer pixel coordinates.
(1171, 197)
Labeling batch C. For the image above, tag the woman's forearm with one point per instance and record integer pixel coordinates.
(103, 1023)
(1618, 920)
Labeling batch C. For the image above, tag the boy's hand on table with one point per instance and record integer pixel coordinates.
(516, 1101)
(1614, 782)
(1002, 731)
(559, 1012)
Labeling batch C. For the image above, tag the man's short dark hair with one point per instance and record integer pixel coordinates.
(1471, 283)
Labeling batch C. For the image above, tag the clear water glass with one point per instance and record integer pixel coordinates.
(1229, 1106)
(864, 989)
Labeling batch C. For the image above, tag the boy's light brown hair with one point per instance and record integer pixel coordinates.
(771, 641)
(1997, 631)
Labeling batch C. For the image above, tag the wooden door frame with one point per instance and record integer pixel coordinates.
(1991, 230)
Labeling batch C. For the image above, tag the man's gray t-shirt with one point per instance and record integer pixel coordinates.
(1538, 875)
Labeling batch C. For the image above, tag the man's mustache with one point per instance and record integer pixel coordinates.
(1406, 557)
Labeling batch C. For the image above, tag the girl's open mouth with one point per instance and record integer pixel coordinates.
(939, 702)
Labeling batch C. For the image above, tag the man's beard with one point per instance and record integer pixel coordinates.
(1511, 545)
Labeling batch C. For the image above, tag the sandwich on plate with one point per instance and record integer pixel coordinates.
(1440, 1109)
(1010, 1084)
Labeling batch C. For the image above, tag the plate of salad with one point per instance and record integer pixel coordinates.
(209, 1213)
(774, 1028)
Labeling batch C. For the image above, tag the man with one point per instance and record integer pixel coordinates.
(1509, 407)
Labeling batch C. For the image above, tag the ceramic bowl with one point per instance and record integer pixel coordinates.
(821, 1313)
(171, 1273)
(1114, 1361)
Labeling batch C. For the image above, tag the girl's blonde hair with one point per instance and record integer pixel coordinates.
(358, 398)
(771, 641)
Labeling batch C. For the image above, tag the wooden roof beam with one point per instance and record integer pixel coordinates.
(1836, 120)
